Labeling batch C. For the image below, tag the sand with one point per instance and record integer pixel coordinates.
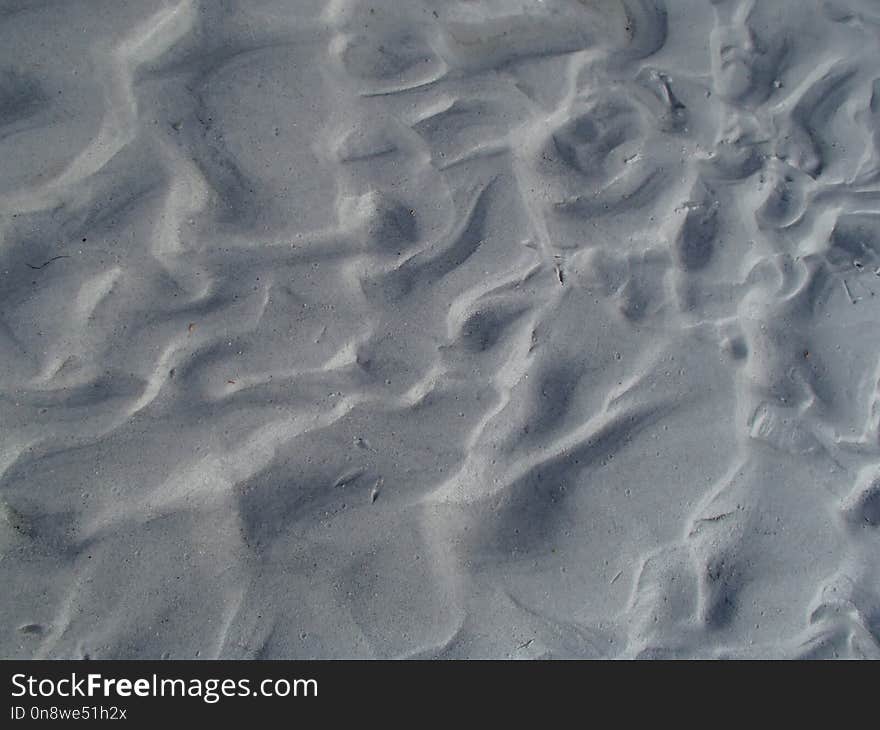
(499, 328)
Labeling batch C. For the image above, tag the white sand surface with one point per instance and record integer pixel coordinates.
(485, 328)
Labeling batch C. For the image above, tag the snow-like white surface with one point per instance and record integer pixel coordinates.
(444, 329)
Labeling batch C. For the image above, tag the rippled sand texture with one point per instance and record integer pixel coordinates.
(454, 329)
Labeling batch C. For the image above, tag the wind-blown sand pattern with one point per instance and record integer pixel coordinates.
(440, 329)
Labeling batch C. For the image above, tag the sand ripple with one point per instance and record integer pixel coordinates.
(440, 329)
